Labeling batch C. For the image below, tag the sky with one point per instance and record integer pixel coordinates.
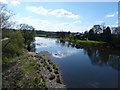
(63, 16)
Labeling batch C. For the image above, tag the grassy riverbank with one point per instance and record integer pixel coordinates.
(32, 70)
(69, 39)
(83, 41)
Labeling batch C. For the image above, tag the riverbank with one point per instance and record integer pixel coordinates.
(32, 70)
(69, 39)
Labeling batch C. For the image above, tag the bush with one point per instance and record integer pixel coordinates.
(48, 67)
(39, 57)
(55, 67)
(50, 62)
(50, 70)
(58, 80)
(45, 64)
(52, 76)
(42, 60)
(56, 72)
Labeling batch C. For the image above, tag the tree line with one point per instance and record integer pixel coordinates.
(18, 40)
(96, 33)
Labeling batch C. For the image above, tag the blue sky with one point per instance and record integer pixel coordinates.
(66, 16)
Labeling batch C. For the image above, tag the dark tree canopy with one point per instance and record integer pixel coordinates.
(97, 29)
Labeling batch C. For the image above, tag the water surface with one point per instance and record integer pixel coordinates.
(82, 67)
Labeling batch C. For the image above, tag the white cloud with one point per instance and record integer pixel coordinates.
(57, 12)
(4, 1)
(14, 2)
(78, 21)
(38, 10)
(46, 25)
(112, 15)
(63, 13)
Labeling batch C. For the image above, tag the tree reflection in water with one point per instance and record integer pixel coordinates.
(99, 56)
(103, 57)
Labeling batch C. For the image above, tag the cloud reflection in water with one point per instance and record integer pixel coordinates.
(63, 54)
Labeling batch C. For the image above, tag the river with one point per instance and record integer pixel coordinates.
(82, 67)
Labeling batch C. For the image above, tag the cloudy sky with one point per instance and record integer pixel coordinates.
(66, 16)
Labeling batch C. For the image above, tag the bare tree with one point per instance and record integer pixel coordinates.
(4, 17)
(25, 27)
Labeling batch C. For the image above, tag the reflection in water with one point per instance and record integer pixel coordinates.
(103, 57)
(63, 54)
(81, 66)
(99, 56)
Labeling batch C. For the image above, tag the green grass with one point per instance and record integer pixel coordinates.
(40, 35)
(89, 41)
(84, 41)
(25, 76)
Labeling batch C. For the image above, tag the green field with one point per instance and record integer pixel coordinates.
(84, 41)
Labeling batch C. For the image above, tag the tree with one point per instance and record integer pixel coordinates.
(4, 17)
(25, 27)
(28, 33)
(107, 34)
(107, 31)
(97, 29)
(91, 34)
(13, 46)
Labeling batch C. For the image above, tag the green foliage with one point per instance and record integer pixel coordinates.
(39, 57)
(50, 70)
(49, 61)
(25, 75)
(42, 61)
(45, 64)
(48, 67)
(52, 76)
(56, 72)
(55, 67)
(13, 46)
(58, 80)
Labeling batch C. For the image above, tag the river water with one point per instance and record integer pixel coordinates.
(82, 67)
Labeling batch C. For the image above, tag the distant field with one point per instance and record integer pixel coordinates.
(85, 41)
(40, 35)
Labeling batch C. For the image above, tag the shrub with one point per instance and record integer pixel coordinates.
(52, 76)
(58, 80)
(50, 62)
(48, 67)
(50, 70)
(54, 67)
(45, 64)
(42, 60)
(56, 72)
(39, 57)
